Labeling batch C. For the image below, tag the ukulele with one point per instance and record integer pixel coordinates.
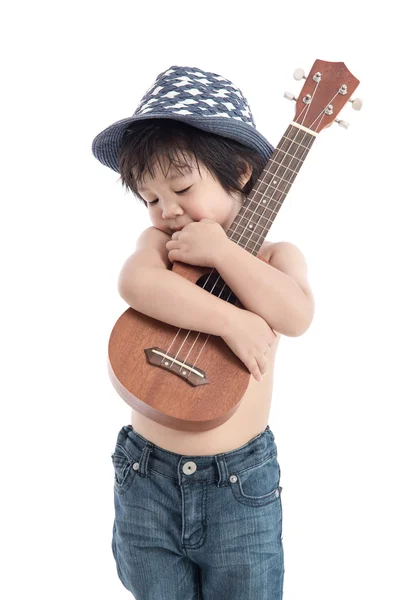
(192, 381)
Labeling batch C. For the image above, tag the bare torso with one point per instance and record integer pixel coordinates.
(250, 419)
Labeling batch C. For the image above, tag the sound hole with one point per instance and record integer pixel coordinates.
(217, 291)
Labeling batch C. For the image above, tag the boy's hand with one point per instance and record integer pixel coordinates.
(250, 338)
(197, 244)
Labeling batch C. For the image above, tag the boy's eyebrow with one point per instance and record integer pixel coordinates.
(171, 177)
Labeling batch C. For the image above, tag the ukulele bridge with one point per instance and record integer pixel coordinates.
(159, 358)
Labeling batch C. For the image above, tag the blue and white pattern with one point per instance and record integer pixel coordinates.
(199, 98)
(194, 92)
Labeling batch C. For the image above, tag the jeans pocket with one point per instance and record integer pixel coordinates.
(258, 485)
(124, 474)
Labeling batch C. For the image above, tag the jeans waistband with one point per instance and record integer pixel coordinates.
(147, 457)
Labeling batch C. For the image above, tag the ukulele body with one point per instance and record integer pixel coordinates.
(189, 381)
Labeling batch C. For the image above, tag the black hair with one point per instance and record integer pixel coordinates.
(147, 139)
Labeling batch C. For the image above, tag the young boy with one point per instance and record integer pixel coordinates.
(199, 514)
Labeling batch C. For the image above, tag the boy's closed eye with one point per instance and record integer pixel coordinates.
(178, 192)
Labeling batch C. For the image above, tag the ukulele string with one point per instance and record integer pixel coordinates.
(285, 152)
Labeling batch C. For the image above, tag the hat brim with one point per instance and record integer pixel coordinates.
(106, 145)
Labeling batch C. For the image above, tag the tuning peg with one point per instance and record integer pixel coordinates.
(357, 103)
(299, 74)
(343, 124)
(289, 96)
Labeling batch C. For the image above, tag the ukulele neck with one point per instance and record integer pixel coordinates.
(254, 220)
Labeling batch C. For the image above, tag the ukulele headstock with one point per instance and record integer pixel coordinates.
(328, 87)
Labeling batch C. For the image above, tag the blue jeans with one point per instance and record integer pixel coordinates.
(198, 527)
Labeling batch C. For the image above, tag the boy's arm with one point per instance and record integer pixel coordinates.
(170, 298)
(280, 294)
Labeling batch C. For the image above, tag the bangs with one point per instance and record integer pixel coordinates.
(179, 146)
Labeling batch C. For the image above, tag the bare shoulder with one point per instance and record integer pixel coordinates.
(265, 250)
(270, 249)
(285, 248)
(289, 259)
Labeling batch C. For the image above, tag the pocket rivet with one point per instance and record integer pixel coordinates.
(276, 493)
(135, 466)
(233, 479)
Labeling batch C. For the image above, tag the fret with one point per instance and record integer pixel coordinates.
(281, 172)
(287, 154)
(251, 244)
(251, 235)
(291, 156)
(255, 218)
(259, 215)
(267, 201)
(292, 148)
(282, 166)
(270, 198)
(298, 143)
(293, 163)
(299, 136)
(271, 182)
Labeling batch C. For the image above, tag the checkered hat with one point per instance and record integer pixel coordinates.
(204, 100)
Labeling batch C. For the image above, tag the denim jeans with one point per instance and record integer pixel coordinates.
(198, 527)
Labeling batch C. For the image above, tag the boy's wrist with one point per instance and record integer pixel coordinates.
(223, 253)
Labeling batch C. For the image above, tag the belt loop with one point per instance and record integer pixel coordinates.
(222, 470)
(144, 459)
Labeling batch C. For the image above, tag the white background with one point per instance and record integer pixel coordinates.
(68, 71)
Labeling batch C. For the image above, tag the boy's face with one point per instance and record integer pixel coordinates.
(205, 198)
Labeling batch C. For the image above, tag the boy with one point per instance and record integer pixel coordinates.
(199, 514)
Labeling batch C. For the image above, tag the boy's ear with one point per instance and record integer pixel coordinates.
(246, 176)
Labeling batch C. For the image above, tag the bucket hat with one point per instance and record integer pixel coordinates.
(199, 98)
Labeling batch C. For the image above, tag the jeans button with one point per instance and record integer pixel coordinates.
(233, 479)
(189, 467)
(135, 466)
